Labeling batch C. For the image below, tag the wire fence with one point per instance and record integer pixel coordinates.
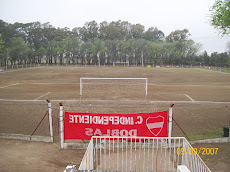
(23, 118)
(218, 67)
(198, 121)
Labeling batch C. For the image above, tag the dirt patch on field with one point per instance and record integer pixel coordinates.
(36, 156)
(218, 162)
(183, 87)
(23, 104)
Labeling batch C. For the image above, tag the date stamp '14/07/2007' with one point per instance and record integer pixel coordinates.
(195, 151)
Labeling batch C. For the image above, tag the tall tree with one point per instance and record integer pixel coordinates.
(178, 35)
(220, 16)
(1, 45)
(153, 34)
(98, 43)
(92, 29)
(206, 58)
(2, 52)
(137, 31)
(18, 50)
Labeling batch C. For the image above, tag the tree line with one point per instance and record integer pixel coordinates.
(100, 43)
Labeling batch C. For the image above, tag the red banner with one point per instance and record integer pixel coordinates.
(85, 125)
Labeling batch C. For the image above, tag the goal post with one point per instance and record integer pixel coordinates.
(106, 85)
(120, 63)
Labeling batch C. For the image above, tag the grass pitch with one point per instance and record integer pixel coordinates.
(201, 97)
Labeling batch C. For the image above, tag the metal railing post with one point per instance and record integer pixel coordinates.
(170, 124)
(146, 90)
(80, 90)
(50, 120)
(61, 126)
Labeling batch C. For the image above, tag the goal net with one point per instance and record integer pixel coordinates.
(120, 63)
(113, 89)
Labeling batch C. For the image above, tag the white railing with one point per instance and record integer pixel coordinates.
(141, 154)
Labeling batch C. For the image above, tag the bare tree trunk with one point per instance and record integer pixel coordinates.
(142, 59)
(99, 61)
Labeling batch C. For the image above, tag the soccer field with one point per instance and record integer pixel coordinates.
(201, 97)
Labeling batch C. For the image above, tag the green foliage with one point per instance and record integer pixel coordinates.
(153, 35)
(101, 43)
(178, 35)
(1, 45)
(215, 59)
(206, 135)
(18, 49)
(220, 17)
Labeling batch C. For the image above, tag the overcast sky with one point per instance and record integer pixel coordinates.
(166, 15)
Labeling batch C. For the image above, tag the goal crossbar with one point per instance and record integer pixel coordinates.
(113, 78)
(89, 78)
(114, 63)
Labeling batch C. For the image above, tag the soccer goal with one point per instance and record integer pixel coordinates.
(120, 63)
(130, 89)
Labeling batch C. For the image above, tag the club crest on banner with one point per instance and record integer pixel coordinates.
(155, 124)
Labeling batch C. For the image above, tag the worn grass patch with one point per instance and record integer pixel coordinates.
(206, 135)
